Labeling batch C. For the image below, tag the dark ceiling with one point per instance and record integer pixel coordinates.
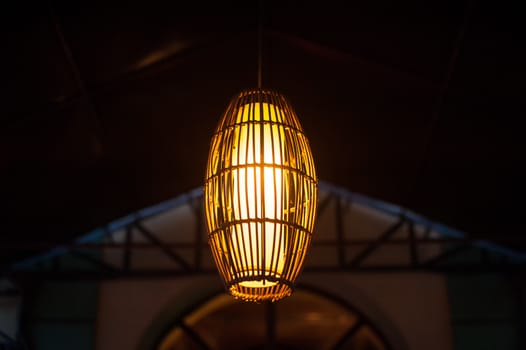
(110, 108)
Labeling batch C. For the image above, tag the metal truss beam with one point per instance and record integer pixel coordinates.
(88, 275)
(449, 251)
(162, 246)
(374, 244)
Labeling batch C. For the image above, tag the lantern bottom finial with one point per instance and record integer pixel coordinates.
(259, 291)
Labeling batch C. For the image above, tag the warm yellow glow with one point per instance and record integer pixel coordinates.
(260, 197)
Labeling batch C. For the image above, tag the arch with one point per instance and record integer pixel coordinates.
(351, 295)
(172, 318)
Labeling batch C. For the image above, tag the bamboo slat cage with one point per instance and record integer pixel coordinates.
(260, 195)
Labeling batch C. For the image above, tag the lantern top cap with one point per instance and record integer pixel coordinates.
(282, 112)
(259, 93)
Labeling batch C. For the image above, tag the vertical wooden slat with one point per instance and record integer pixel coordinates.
(255, 266)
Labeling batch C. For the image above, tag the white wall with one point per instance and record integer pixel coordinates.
(127, 308)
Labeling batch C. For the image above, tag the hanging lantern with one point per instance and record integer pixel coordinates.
(261, 194)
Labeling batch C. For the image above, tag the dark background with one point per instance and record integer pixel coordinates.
(108, 108)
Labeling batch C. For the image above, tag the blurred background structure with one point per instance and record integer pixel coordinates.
(108, 110)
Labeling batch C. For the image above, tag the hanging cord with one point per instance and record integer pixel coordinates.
(260, 42)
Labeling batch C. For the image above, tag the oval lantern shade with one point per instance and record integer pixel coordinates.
(261, 194)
